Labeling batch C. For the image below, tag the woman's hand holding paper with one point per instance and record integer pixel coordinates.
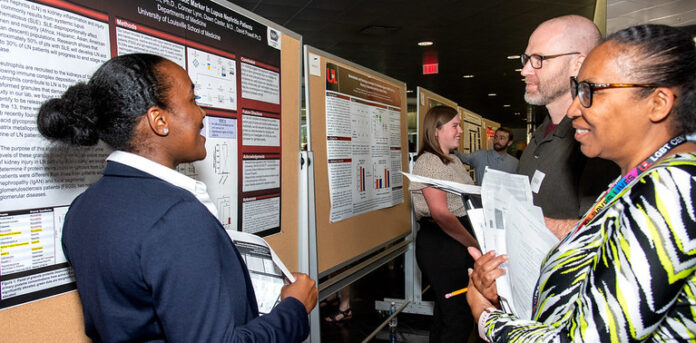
(486, 271)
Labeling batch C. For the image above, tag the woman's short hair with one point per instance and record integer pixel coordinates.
(434, 119)
(665, 56)
(108, 105)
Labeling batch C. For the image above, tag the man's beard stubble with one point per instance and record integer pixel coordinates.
(550, 90)
(498, 147)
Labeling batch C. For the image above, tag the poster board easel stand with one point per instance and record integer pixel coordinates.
(308, 234)
(413, 287)
(341, 268)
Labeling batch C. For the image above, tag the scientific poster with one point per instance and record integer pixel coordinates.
(48, 45)
(363, 129)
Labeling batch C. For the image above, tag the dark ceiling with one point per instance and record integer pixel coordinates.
(471, 37)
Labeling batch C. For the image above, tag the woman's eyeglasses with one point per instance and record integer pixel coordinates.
(584, 89)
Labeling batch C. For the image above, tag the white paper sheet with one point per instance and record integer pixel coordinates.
(268, 273)
(449, 186)
(527, 241)
(510, 224)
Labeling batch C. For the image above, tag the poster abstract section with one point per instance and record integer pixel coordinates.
(363, 130)
(46, 46)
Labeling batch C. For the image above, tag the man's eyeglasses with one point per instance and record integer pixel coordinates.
(584, 89)
(536, 60)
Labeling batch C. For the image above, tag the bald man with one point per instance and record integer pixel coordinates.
(564, 182)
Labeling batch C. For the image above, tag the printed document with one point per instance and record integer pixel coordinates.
(267, 271)
(515, 227)
(526, 241)
(508, 223)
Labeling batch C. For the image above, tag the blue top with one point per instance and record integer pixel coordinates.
(152, 264)
(491, 158)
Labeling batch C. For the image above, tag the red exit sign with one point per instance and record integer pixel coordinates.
(429, 69)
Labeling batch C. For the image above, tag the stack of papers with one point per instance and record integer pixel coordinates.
(449, 186)
(508, 223)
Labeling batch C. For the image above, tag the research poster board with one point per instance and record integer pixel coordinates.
(363, 147)
(427, 100)
(358, 136)
(471, 137)
(246, 71)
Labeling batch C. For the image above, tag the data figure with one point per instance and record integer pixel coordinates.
(214, 78)
(188, 169)
(361, 182)
(221, 162)
(380, 125)
(219, 168)
(224, 207)
(381, 174)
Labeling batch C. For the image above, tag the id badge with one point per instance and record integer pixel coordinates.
(537, 179)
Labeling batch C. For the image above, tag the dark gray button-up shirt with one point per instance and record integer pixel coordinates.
(571, 182)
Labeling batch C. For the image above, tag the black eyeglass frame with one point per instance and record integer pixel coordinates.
(524, 58)
(575, 88)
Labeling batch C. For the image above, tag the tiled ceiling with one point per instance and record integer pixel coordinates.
(625, 13)
(471, 37)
